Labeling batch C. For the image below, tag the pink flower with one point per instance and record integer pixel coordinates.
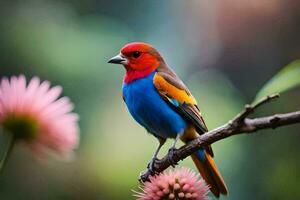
(179, 184)
(34, 114)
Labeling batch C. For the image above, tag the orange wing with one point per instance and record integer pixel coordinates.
(181, 99)
(167, 88)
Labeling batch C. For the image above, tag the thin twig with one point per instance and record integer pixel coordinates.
(251, 108)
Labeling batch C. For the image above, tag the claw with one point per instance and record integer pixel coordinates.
(151, 165)
(172, 152)
(141, 177)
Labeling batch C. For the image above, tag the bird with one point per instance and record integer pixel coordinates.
(159, 101)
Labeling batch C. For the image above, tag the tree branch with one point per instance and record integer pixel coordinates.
(238, 125)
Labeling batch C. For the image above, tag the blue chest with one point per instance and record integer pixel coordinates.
(149, 109)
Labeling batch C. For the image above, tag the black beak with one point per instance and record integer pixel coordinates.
(118, 59)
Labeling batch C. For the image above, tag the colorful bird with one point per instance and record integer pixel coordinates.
(160, 102)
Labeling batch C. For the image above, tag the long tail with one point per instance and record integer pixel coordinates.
(206, 165)
(210, 173)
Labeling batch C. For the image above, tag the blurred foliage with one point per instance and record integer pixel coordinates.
(285, 79)
(223, 50)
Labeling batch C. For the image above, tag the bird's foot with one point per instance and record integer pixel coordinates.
(171, 154)
(151, 165)
(142, 178)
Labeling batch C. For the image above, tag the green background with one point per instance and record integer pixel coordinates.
(223, 50)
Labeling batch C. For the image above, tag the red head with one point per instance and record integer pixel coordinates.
(139, 59)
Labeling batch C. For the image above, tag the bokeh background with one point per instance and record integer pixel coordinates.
(223, 50)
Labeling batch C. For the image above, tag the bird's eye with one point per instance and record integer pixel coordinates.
(136, 54)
